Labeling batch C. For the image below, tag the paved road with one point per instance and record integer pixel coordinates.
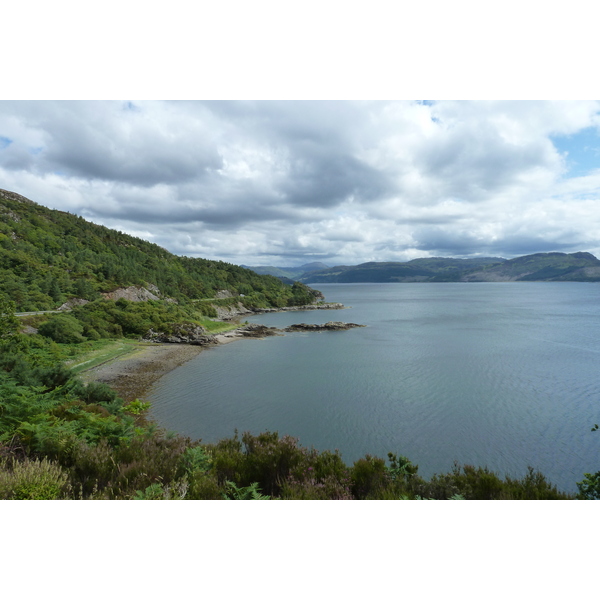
(39, 312)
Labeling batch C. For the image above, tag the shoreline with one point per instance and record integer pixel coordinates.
(131, 376)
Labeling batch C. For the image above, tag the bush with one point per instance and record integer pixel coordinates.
(479, 483)
(204, 486)
(271, 460)
(369, 477)
(589, 488)
(313, 488)
(63, 329)
(33, 480)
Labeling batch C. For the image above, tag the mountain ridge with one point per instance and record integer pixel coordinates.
(550, 266)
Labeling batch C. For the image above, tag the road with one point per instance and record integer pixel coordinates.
(40, 312)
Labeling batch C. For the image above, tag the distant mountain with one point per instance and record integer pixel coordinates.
(294, 273)
(419, 269)
(551, 266)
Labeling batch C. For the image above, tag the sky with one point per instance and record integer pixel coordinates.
(341, 182)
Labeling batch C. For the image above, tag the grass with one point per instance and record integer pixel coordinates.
(104, 351)
(214, 327)
(95, 353)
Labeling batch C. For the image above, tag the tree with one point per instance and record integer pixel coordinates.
(9, 324)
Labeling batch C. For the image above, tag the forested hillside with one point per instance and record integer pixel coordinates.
(48, 256)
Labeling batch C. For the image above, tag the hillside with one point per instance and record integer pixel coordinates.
(551, 266)
(48, 256)
(419, 269)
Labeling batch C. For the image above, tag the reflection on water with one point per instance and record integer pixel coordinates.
(503, 375)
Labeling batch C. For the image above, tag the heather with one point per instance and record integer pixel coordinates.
(63, 439)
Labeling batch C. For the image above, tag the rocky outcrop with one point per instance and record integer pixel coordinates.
(327, 306)
(329, 326)
(72, 303)
(223, 294)
(258, 331)
(12, 196)
(226, 313)
(189, 333)
(181, 333)
(132, 293)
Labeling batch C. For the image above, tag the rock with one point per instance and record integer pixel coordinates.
(256, 330)
(182, 333)
(131, 293)
(69, 304)
(226, 313)
(12, 196)
(329, 326)
(328, 306)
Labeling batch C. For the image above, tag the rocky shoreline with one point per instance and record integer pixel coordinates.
(132, 376)
(228, 313)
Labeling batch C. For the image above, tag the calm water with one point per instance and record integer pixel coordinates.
(498, 374)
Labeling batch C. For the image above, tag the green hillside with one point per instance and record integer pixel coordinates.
(48, 256)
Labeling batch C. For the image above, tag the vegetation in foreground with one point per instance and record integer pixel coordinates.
(62, 439)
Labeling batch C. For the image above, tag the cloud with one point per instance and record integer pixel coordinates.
(290, 182)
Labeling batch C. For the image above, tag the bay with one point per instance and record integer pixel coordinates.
(503, 375)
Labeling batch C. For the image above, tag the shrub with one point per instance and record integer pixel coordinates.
(63, 329)
(227, 458)
(479, 483)
(589, 488)
(93, 466)
(204, 486)
(313, 488)
(369, 477)
(33, 480)
(146, 460)
(271, 460)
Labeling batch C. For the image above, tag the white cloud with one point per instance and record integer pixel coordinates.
(288, 182)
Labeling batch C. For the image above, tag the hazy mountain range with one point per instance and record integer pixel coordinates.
(550, 266)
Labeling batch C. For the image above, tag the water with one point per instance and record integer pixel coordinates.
(498, 374)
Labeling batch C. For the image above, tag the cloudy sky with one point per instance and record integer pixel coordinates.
(289, 182)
